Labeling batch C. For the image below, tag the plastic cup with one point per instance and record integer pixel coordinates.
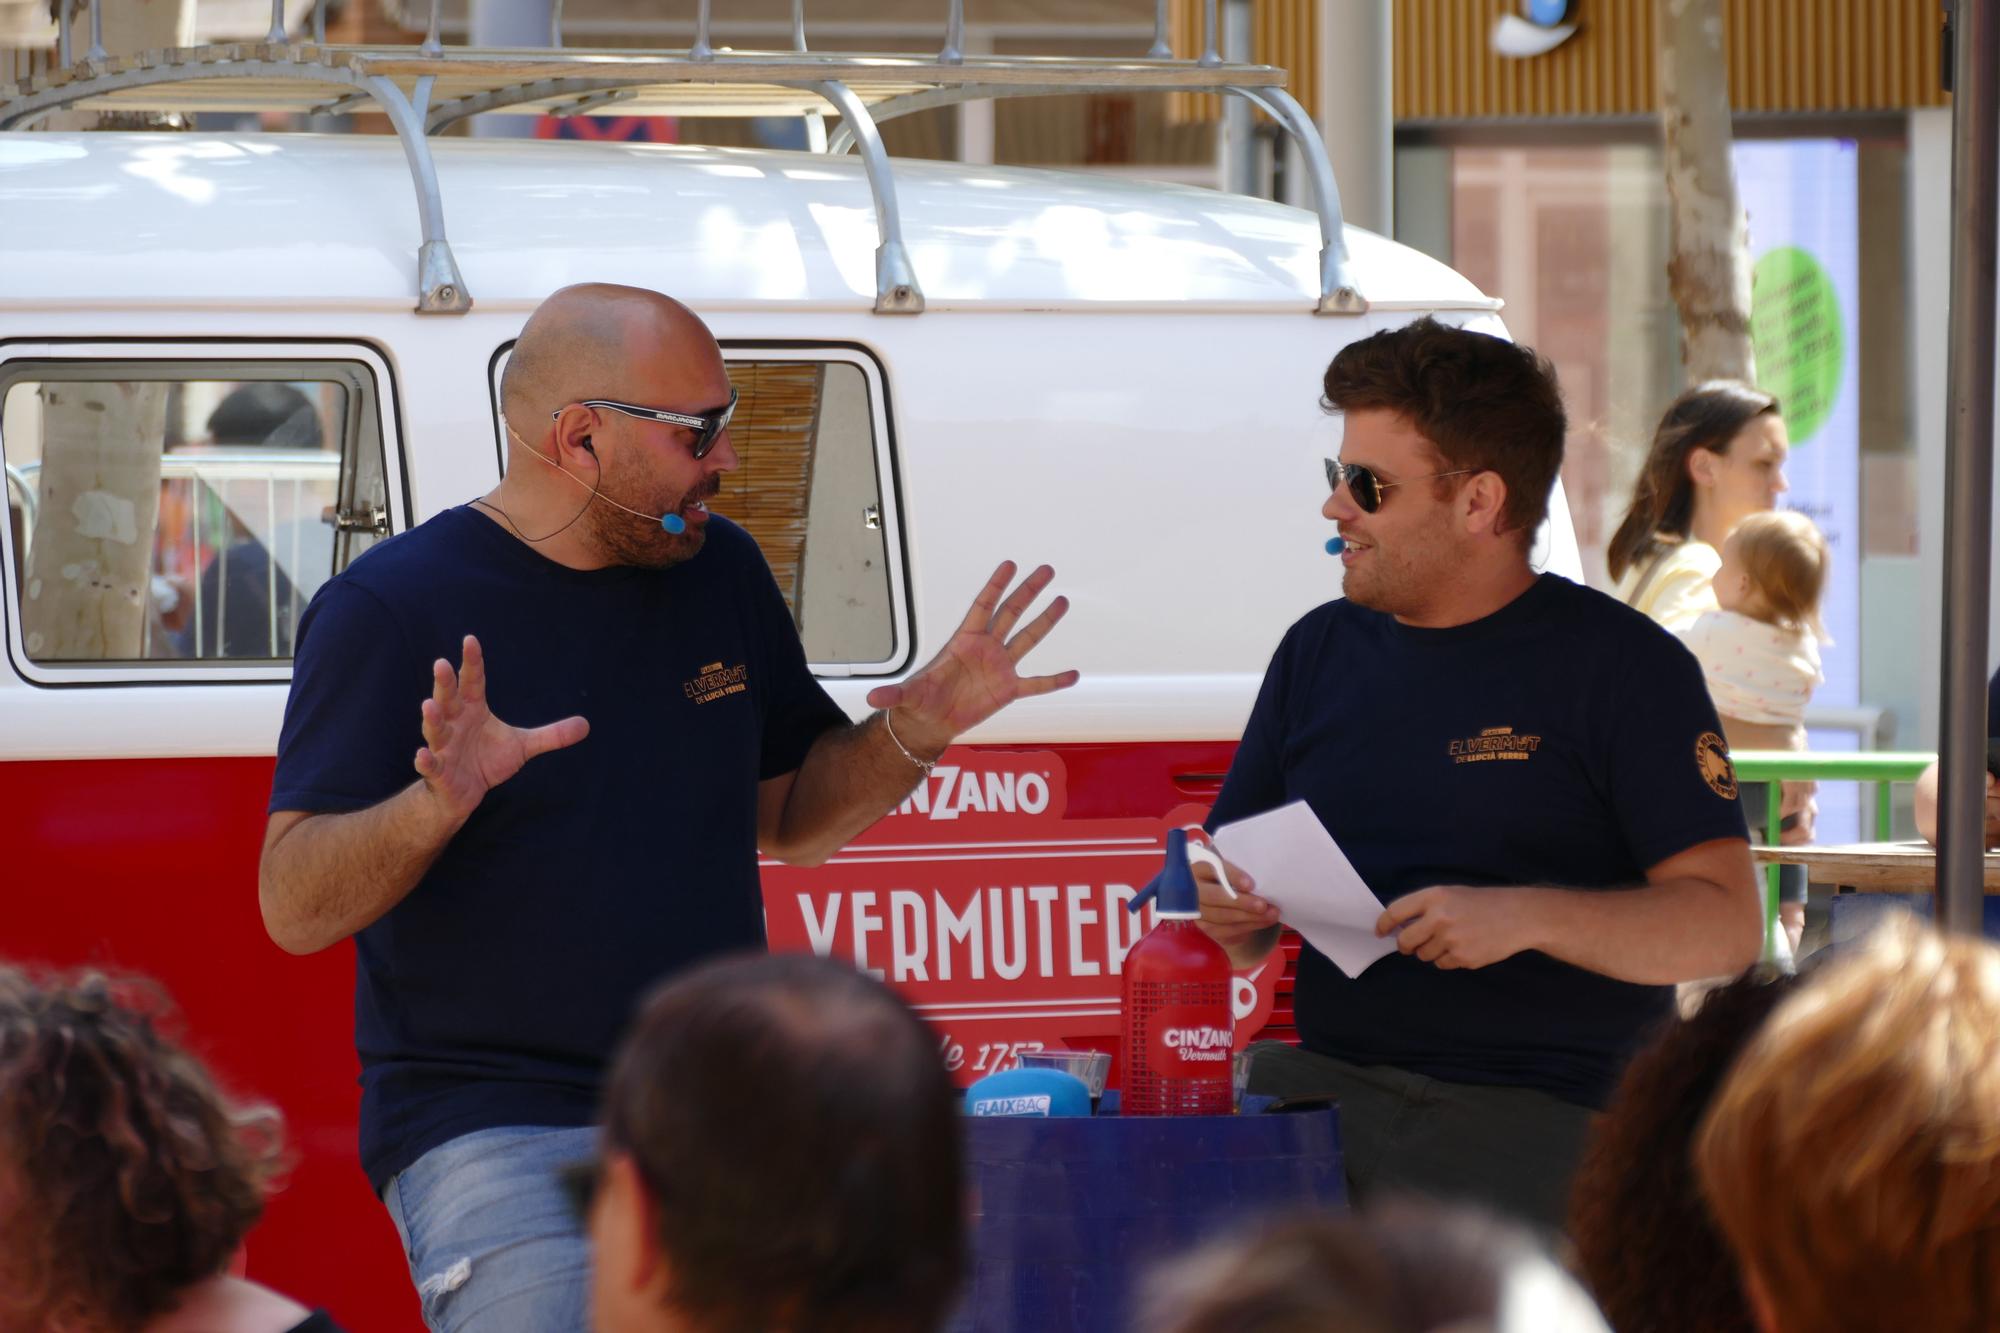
(1090, 1066)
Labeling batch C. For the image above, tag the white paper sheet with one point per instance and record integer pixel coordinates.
(1297, 865)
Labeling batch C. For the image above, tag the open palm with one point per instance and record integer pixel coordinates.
(468, 751)
(977, 673)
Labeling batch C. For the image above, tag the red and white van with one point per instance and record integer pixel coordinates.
(1115, 377)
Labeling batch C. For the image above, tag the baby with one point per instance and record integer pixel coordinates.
(1760, 655)
(1760, 651)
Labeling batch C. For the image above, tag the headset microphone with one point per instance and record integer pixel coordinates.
(1335, 545)
(674, 524)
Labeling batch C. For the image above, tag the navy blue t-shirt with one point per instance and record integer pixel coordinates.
(1564, 740)
(493, 993)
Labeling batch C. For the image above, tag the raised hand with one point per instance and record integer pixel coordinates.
(977, 672)
(467, 751)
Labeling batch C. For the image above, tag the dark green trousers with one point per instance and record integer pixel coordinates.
(1511, 1150)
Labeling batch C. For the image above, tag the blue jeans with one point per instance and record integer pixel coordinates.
(492, 1244)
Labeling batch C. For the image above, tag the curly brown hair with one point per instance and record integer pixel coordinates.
(125, 1175)
(1646, 1243)
(1485, 405)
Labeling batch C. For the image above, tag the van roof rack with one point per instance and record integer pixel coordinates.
(425, 88)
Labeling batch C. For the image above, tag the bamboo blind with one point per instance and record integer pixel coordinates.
(777, 415)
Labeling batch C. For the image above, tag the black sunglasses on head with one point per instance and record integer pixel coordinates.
(707, 426)
(1367, 488)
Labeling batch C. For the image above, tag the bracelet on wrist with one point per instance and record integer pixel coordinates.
(925, 764)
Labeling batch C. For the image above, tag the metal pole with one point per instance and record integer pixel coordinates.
(1968, 534)
(1239, 140)
(701, 50)
(1162, 49)
(954, 35)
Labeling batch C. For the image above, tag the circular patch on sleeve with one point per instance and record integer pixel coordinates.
(1711, 756)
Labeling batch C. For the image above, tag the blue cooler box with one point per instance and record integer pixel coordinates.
(1070, 1214)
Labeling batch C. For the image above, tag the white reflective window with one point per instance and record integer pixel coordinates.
(174, 512)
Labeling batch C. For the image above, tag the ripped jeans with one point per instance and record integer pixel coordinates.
(489, 1235)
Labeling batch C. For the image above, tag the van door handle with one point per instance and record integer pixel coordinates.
(871, 517)
(1200, 786)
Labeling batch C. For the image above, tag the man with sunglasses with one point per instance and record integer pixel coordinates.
(1526, 772)
(506, 913)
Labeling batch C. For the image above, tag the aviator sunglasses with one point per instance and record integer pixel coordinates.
(1367, 488)
(707, 427)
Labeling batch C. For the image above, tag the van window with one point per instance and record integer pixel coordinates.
(173, 512)
(810, 431)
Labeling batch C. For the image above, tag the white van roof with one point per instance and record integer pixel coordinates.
(176, 220)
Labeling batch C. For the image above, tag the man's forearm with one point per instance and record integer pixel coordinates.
(851, 777)
(329, 875)
(1655, 935)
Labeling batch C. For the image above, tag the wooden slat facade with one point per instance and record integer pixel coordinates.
(1784, 55)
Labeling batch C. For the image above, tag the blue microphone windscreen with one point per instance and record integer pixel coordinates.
(1028, 1092)
(1335, 545)
(673, 523)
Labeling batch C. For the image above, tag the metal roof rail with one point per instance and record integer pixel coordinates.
(425, 89)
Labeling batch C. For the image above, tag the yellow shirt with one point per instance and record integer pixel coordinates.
(1680, 591)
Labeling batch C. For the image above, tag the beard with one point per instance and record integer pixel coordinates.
(641, 543)
(1405, 582)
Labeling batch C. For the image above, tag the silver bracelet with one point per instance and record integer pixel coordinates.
(925, 764)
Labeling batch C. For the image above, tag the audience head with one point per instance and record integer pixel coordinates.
(1852, 1156)
(780, 1152)
(126, 1178)
(1774, 570)
(1646, 1243)
(1483, 403)
(267, 413)
(1720, 445)
(1398, 1267)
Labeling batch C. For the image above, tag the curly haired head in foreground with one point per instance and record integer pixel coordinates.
(1646, 1243)
(1852, 1155)
(125, 1175)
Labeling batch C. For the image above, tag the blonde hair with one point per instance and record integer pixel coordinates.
(1853, 1155)
(1785, 557)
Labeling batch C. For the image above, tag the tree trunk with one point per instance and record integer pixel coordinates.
(1708, 270)
(90, 566)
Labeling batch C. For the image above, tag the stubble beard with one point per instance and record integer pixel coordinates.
(640, 543)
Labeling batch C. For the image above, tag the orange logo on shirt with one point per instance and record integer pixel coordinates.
(717, 681)
(1493, 743)
(1711, 756)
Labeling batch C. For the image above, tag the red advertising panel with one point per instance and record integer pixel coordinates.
(1000, 919)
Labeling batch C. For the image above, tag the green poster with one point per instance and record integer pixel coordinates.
(1796, 333)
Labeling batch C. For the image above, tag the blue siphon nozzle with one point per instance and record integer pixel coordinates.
(1174, 885)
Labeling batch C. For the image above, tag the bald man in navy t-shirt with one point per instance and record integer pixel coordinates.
(1527, 773)
(519, 854)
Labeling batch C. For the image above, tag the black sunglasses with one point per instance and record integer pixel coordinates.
(707, 427)
(578, 1182)
(1367, 488)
